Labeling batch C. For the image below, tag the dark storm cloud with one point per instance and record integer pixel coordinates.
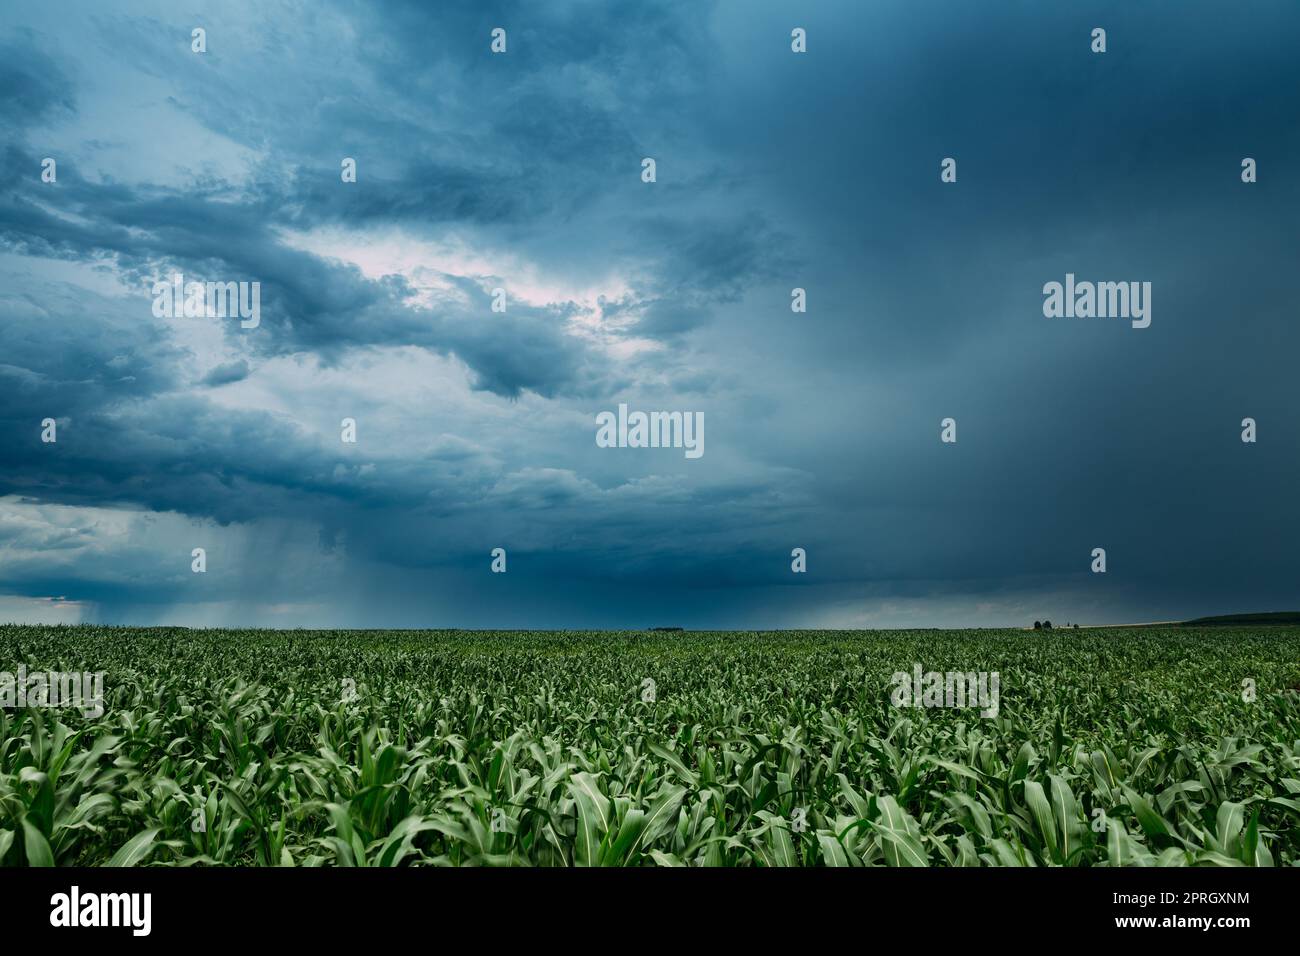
(549, 148)
(35, 89)
(226, 374)
(775, 171)
(310, 303)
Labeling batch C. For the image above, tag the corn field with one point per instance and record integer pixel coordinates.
(1149, 747)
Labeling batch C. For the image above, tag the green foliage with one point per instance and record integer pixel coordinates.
(1130, 748)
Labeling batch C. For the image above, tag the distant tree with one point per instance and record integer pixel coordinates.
(1076, 627)
(1038, 625)
(1047, 625)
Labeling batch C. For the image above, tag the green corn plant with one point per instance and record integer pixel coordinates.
(457, 748)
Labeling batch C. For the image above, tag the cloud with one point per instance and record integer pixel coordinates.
(522, 173)
(35, 89)
(226, 373)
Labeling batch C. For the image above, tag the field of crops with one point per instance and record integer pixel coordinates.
(266, 748)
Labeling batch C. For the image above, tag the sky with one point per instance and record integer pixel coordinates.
(523, 171)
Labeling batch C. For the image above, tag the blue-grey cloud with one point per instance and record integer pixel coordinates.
(522, 172)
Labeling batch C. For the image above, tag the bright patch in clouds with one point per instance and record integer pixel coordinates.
(429, 266)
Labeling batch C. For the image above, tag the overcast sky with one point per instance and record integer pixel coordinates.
(523, 171)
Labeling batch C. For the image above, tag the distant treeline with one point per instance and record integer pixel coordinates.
(1269, 617)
